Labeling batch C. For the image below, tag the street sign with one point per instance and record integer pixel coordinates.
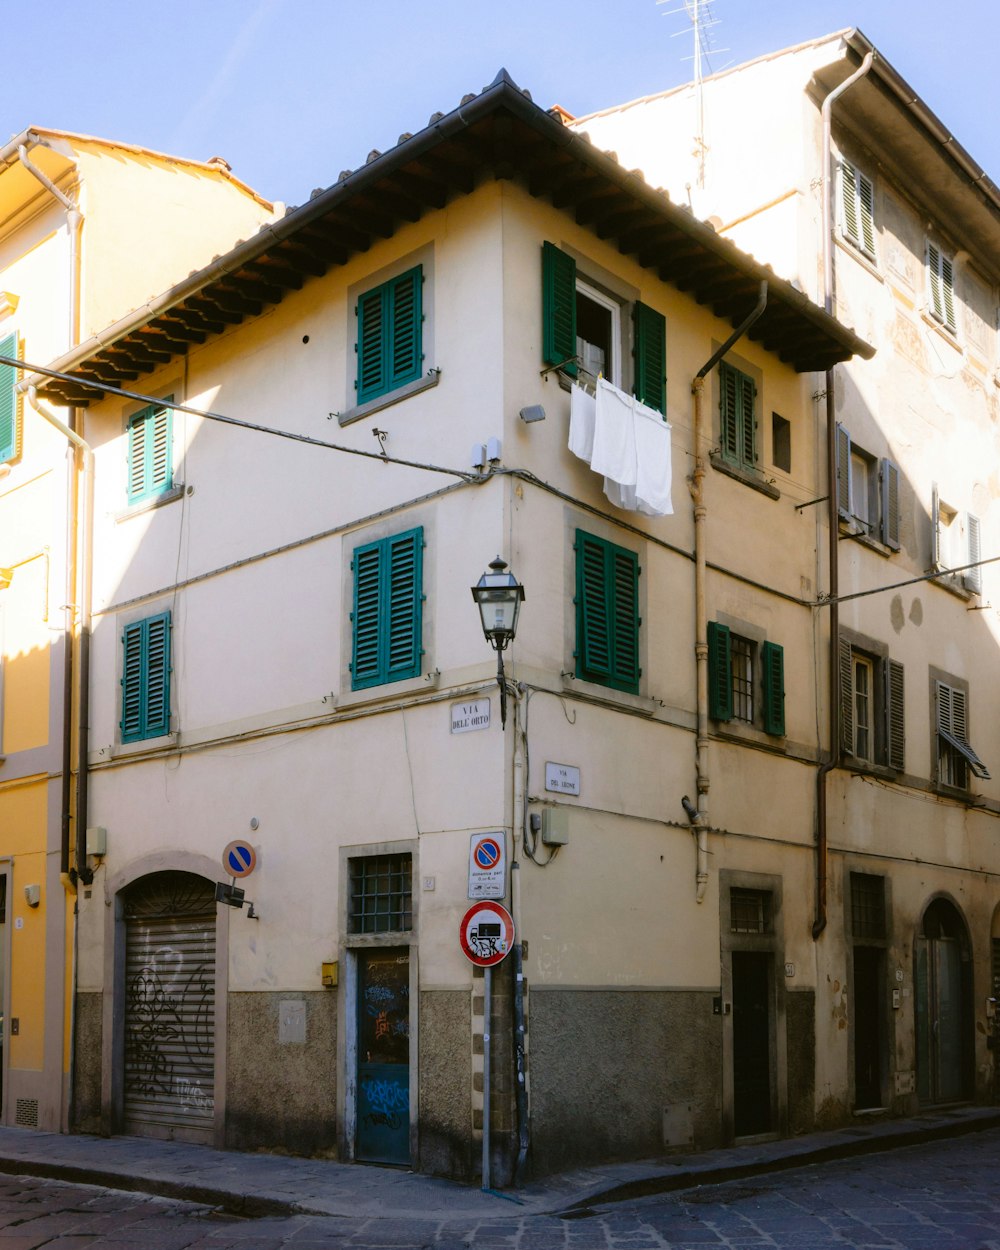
(486, 934)
(239, 859)
(487, 865)
(470, 716)
(562, 778)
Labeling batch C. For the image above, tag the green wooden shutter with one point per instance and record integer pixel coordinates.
(372, 336)
(729, 429)
(890, 505)
(748, 420)
(403, 601)
(365, 664)
(158, 448)
(895, 715)
(593, 615)
(650, 355)
(625, 594)
(9, 431)
(558, 308)
(405, 325)
(846, 698)
(720, 679)
(132, 669)
(387, 615)
(773, 686)
(157, 684)
(843, 474)
(150, 453)
(607, 613)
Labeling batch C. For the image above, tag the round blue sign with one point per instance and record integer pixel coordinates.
(239, 859)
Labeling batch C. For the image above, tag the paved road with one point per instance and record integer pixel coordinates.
(939, 1196)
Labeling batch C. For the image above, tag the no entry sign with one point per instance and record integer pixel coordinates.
(486, 934)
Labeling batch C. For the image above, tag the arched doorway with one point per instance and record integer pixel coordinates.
(169, 1052)
(943, 1005)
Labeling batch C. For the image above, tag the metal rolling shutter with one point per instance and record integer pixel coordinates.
(170, 1008)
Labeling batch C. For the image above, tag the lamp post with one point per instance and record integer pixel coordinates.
(499, 596)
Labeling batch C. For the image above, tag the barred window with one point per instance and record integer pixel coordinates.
(867, 905)
(750, 911)
(741, 657)
(381, 899)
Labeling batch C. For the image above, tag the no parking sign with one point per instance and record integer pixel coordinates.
(487, 865)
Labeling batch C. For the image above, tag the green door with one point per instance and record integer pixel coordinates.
(383, 1125)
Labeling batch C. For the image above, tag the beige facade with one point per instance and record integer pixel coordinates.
(66, 204)
(906, 953)
(353, 742)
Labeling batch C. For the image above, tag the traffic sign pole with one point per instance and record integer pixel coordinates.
(487, 1012)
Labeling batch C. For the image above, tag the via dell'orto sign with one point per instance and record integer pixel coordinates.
(486, 934)
(487, 865)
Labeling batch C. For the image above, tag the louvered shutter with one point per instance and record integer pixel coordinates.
(748, 419)
(558, 308)
(593, 635)
(866, 205)
(624, 566)
(890, 504)
(365, 664)
(773, 664)
(372, 312)
(895, 718)
(158, 478)
(405, 317)
(944, 693)
(150, 453)
(843, 474)
(729, 413)
(720, 681)
(973, 576)
(157, 675)
(9, 424)
(137, 457)
(948, 292)
(846, 698)
(403, 602)
(650, 357)
(848, 202)
(935, 527)
(934, 281)
(132, 669)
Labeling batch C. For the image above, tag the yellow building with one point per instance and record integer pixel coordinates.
(77, 215)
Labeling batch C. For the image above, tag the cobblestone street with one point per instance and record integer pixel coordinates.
(937, 1196)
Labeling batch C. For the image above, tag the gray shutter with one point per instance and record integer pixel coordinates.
(890, 505)
(895, 719)
(843, 474)
(935, 528)
(848, 202)
(866, 196)
(973, 577)
(846, 698)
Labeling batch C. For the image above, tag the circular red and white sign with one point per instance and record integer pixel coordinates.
(486, 933)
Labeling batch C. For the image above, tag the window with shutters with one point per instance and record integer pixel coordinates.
(746, 680)
(857, 209)
(872, 709)
(10, 402)
(387, 610)
(956, 547)
(955, 756)
(941, 287)
(150, 454)
(390, 335)
(584, 326)
(737, 417)
(145, 678)
(607, 613)
(867, 492)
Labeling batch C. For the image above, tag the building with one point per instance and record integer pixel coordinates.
(824, 162)
(76, 217)
(286, 658)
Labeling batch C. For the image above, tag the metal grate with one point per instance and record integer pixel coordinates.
(381, 898)
(26, 1113)
(750, 911)
(741, 658)
(867, 905)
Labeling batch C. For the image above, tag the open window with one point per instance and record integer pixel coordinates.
(956, 546)
(867, 492)
(746, 680)
(955, 756)
(872, 708)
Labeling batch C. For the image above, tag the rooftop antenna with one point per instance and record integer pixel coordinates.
(702, 19)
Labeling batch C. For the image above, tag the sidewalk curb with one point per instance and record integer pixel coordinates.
(695, 1177)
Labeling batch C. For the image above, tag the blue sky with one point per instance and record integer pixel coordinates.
(291, 92)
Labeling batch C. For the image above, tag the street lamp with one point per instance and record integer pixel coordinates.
(499, 596)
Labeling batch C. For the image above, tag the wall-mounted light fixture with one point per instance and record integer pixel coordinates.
(499, 596)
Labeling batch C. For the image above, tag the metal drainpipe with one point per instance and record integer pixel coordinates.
(699, 821)
(833, 516)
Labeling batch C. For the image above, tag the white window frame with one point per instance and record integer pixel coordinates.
(613, 370)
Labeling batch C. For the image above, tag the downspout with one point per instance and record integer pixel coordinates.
(699, 816)
(833, 516)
